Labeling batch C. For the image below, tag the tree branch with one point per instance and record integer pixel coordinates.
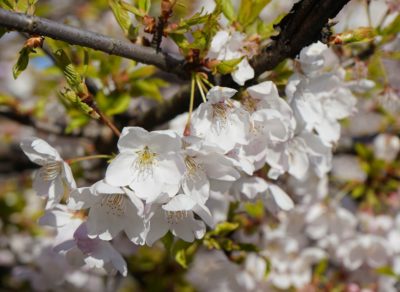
(302, 26)
(75, 36)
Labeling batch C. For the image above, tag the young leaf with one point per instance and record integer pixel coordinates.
(227, 9)
(22, 62)
(249, 11)
(122, 16)
(73, 78)
(144, 5)
(228, 66)
(6, 4)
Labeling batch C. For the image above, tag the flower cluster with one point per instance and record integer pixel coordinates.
(235, 149)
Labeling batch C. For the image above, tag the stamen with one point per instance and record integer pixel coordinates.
(50, 170)
(115, 204)
(249, 103)
(221, 112)
(174, 217)
(144, 163)
(192, 168)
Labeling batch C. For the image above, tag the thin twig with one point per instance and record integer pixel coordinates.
(76, 36)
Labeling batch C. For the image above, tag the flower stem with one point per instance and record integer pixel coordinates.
(200, 86)
(205, 80)
(191, 102)
(83, 158)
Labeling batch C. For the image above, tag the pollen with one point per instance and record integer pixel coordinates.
(174, 217)
(219, 111)
(115, 204)
(145, 162)
(249, 103)
(50, 170)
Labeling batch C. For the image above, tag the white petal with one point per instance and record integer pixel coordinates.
(243, 72)
(280, 197)
(220, 94)
(218, 42)
(82, 198)
(39, 151)
(69, 177)
(181, 202)
(169, 169)
(264, 91)
(132, 138)
(157, 227)
(119, 172)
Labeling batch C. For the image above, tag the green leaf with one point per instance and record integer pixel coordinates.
(393, 28)
(264, 30)
(249, 11)
(6, 4)
(113, 104)
(184, 252)
(224, 228)
(363, 151)
(122, 16)
(142, 72)
(256, 209)
(386, 270)
(77, 120)
(22, 62)
(73, 78)
(248, 247)
(228, 66)
(358, 191)
(144, 5)
(149, 88)
(7, 100)
(132, 9)
(227, 9)
(321, 267)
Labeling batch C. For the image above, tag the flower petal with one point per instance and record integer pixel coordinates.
(119, 172)
(39, 151)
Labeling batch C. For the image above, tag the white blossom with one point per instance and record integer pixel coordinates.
(54, 178)
(229, 46)
(111, 210)
(149, 162)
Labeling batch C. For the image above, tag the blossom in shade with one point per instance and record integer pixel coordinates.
(54, 178)
(111, 210)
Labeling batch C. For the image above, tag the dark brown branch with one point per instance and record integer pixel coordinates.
(301, 27)
(75, 36)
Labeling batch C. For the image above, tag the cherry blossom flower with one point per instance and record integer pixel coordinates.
(221, 121)
(253, 186)
(74, 243)
(111, 210)
(386, 147)
(229, 46)
(324, 220)
(365, 249)
(54, 177)
(176, 215)
(149, 162)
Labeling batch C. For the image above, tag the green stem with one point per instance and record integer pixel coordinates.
(83, 158)
(205, 80)
(191, 102)
(199, 85)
